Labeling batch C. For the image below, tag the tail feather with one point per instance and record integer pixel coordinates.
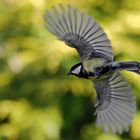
(131, 66)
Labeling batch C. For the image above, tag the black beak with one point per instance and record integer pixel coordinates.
(68, 73)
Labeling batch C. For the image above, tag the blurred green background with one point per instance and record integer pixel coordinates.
(37, 100)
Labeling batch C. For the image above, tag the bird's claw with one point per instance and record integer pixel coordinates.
(98, 72)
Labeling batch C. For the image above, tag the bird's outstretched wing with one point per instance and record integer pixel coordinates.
(115, 104)
(79, 31)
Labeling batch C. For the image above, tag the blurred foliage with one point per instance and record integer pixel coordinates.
(37, 100)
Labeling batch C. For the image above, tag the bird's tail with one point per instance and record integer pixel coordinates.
(130, 66)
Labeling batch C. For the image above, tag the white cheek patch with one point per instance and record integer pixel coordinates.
(77, 70)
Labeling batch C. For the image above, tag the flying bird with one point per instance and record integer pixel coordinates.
(115, 104)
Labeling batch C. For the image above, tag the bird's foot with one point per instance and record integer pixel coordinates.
(102, 70)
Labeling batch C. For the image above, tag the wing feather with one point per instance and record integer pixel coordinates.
(115, 103)
(80, 31)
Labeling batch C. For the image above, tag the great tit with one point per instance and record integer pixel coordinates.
(115, 104)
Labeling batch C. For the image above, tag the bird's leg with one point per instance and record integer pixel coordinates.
(102, 70)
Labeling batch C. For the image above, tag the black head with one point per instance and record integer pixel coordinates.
(78, 71)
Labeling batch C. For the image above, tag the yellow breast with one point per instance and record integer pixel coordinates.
(91, 65)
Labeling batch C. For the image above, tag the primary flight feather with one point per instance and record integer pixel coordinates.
(115, 103)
